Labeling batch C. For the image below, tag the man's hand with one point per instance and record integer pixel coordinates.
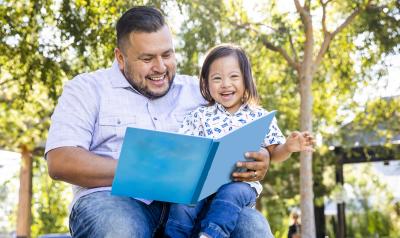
(255, 169)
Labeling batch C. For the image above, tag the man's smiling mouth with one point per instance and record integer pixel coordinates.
(156, 78)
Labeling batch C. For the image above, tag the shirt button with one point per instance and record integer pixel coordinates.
(155, 118)
(119, 121)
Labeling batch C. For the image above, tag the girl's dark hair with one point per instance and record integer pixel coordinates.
(138, 19)
(250, 93)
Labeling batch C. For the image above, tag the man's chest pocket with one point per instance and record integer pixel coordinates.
(112, 130)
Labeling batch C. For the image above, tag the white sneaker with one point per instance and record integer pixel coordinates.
(203, 235)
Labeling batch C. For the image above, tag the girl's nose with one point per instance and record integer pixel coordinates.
(225, 83)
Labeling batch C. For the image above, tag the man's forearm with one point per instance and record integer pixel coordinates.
(80, 167)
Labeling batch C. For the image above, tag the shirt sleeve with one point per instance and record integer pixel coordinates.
(274, 136)
(73, 120)
(192, 125)
(257, 186)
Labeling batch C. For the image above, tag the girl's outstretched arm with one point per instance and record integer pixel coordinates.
(295, 142)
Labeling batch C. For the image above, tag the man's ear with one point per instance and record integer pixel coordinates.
(119, 56)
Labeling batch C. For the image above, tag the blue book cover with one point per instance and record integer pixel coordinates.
(171, 167)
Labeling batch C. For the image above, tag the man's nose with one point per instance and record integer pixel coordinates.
(159, 65)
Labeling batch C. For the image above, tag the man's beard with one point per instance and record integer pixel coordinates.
(143, 90)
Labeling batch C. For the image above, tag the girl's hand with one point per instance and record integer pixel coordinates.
(300, 141)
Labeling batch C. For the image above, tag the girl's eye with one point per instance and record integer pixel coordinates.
(216, 79)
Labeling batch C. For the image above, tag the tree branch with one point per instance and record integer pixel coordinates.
(307, 4)
(300, 10)
(7, 81)
(296, 59)
(309, 35)
(249, 26)
(329, 36)
(292, 62)
(324, 47)
(349, 19)
(283, 52)
(323, 20)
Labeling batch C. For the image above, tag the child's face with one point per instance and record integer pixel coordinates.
(226, 83)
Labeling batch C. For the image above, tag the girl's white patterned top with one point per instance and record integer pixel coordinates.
(215, 121)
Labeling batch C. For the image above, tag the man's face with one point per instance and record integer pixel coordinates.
(148, 61)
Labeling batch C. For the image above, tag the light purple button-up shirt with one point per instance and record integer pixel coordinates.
(95, 109)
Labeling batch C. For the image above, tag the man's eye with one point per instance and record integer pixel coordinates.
(166, 56)
(147, 60)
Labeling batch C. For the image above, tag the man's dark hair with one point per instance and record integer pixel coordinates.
(138, 19)
(250, 93)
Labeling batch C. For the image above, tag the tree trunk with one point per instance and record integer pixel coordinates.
(25, 194)
(306, 178)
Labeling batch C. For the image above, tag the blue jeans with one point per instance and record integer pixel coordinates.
(100, 215)
(221, 211)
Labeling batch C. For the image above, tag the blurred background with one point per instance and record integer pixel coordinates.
(355, 91)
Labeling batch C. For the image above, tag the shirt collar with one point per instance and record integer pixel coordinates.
(118, 79)
(243, 108)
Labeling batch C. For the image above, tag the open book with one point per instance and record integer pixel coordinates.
(178, 168)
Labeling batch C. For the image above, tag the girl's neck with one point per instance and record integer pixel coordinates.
(232, 110)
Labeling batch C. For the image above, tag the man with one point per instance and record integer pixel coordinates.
(142, 90)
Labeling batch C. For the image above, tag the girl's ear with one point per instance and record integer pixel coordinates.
(245, 97)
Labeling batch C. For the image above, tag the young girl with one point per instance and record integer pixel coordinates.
(226, 83)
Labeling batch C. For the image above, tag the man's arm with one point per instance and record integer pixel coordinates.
(78, 166)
